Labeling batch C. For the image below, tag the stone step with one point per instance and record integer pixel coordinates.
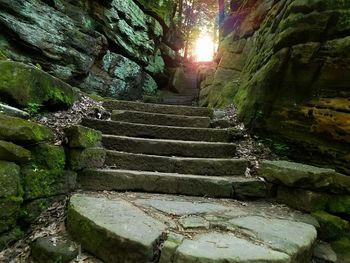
(172, 183)
(163, 132)
(115, 231)
(160, 119)
(157, 108)
(200, 166)
(169, 147)
(178, 229)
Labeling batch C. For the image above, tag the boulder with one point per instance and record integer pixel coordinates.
(331, 227)
(119, 78)
(83, 137)
(302, 199)
(22, 131)
(304, 176)
(13, 153)
(54, 249)
(11, 111)
(42, 34)
(339, 204)
(23, 85)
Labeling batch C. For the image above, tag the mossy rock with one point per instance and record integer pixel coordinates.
(86, 158)
(10, 184)
(302, 199)
(22, 85)
(331, 227)
(48, 156)
(13, 153)
(40, 183)
(10, 206)
(22, 131)
(339, 204)
(162, 10)
(342, 248)
(10, 237)
(83, 137)
(54, 249)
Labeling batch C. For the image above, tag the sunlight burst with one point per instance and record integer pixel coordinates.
(204, 50)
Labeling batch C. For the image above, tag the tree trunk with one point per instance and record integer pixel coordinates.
(179, 15)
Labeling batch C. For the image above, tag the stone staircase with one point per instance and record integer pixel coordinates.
(153, 202)
(191, 159)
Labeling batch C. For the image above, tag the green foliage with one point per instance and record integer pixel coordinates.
(33, 108)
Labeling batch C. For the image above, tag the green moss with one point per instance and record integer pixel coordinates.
(22, 131)
(2, 55)
(86, 158)
(9, 179)
(342, 248)
(339, 204)
(47, 156)
(23, 85)
(39, 183)
(83, 137)
(331, 227)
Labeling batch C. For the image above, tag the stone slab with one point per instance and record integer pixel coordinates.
(157, 108)
(161, 119)
(169, 147)
(162, 132)
(201, 166)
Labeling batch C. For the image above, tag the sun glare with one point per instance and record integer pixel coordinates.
(204, 50)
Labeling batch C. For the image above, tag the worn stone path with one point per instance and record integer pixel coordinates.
(165, 175)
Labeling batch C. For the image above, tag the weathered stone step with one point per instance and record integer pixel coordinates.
(200, 166)
(163, 132)
(169, 147)
(180, 229)
(157, 108)
(115, 231)
(171, 183)
(160, 119)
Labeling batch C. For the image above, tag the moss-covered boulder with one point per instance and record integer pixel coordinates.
(342, 248)
(83, 137)
(86, 158)
(10, 194)
(22, 131)
(54, 249)
(162, 10)
(13, 153)
(48, 156)
(22, 85)
(9, 179)
(331, 227)
(40, 183)
(302, 199)
(339, 204)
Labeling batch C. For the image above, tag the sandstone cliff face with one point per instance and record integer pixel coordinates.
(286, 66)
(109, 47)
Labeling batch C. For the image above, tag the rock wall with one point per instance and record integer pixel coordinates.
(285, 64)
(111, 47)
(34, 172)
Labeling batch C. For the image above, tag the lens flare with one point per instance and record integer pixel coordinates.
(204, 49)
